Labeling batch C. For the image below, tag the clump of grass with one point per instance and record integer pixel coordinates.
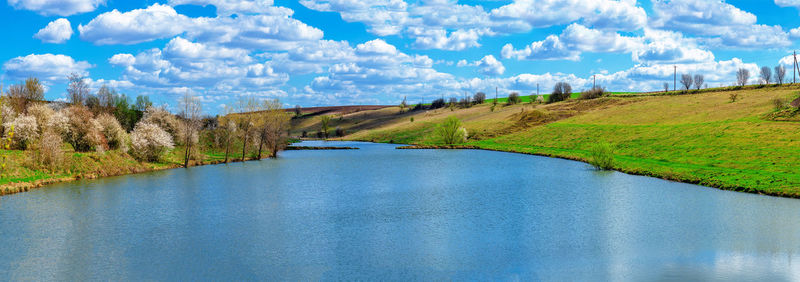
(733, 96)
(601, 156)
(412, 119)
(778, 104)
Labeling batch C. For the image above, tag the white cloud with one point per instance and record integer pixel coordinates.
(725, 24)
(670, 47)
(488, 65)
(58, 31)
(48, 67)
(602, 14)
(788, 3)
(229, 7)
(57, 7)
(575, 39)
(440, 39)
(140, 25)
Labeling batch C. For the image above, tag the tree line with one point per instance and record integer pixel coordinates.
(107, 120)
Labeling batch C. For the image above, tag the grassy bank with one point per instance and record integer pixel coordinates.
(701, 138)
(22, 176)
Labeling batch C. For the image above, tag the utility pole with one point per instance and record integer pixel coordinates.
(675, 79)
(537, 89)
(794, 68)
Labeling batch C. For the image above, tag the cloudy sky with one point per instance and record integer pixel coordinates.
(331, 52)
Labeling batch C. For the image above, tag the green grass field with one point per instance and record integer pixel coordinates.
(701, 138)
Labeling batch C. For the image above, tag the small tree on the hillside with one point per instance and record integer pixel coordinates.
(766, 75)
(23, 94)
(514, 98)
(686, 81)
(191, 109)
(403, 105)
(479, 98)
(451, 132)
(742, 76)
(780, 74)
(77, 90)
(698, 81)
(324, 122)
(666, 87)
(561, 91)
(298, 111)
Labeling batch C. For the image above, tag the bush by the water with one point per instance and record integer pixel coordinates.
(149, 142)
(451, 132)
(601, 156)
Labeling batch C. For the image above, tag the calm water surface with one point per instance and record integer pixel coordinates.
(385, 214)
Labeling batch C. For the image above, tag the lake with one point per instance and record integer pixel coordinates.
(384, 214)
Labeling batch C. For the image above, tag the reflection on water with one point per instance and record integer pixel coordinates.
(385, 214)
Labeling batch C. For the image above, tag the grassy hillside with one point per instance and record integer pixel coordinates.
(699, 138)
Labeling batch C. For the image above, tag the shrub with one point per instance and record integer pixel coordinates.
(733, 96)
(418, 107)
(305, 134)
(514, 98)
(438, 103)
(562, 91)
(84, 133)
(59, 123)
(26, 130)
(50, 154)
(601, 156)
(451, 132)
(166, 121)
(42, 113)
(412, 119)
(149, 142)
(115, 135)
(340, 132)
(594, 93)
(479, 98)
(778, 104)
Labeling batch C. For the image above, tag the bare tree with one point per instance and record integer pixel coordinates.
(77, 90)
(105, 97)
(686, 80)
(227, 127)
(298, 111)
(403, 105)
(742, 75)
(780, 74)
(479, 98)
(276, 123)
(766, 75)
(191, 110)
(698, 81)
(666, 87)
(245, 117)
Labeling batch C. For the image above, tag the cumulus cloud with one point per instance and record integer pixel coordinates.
(670, 47)
(48, 67)
(490, 66)
(447, 25)
(725, 24)
(140, 25)
(573, 40)
(229, 7)
(57, 7)
(58, 31)
(602, 14)
(788, 3)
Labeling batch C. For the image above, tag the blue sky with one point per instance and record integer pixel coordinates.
(330, 52)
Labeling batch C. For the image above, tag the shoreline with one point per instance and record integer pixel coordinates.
(673, 178)
(25, 186)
